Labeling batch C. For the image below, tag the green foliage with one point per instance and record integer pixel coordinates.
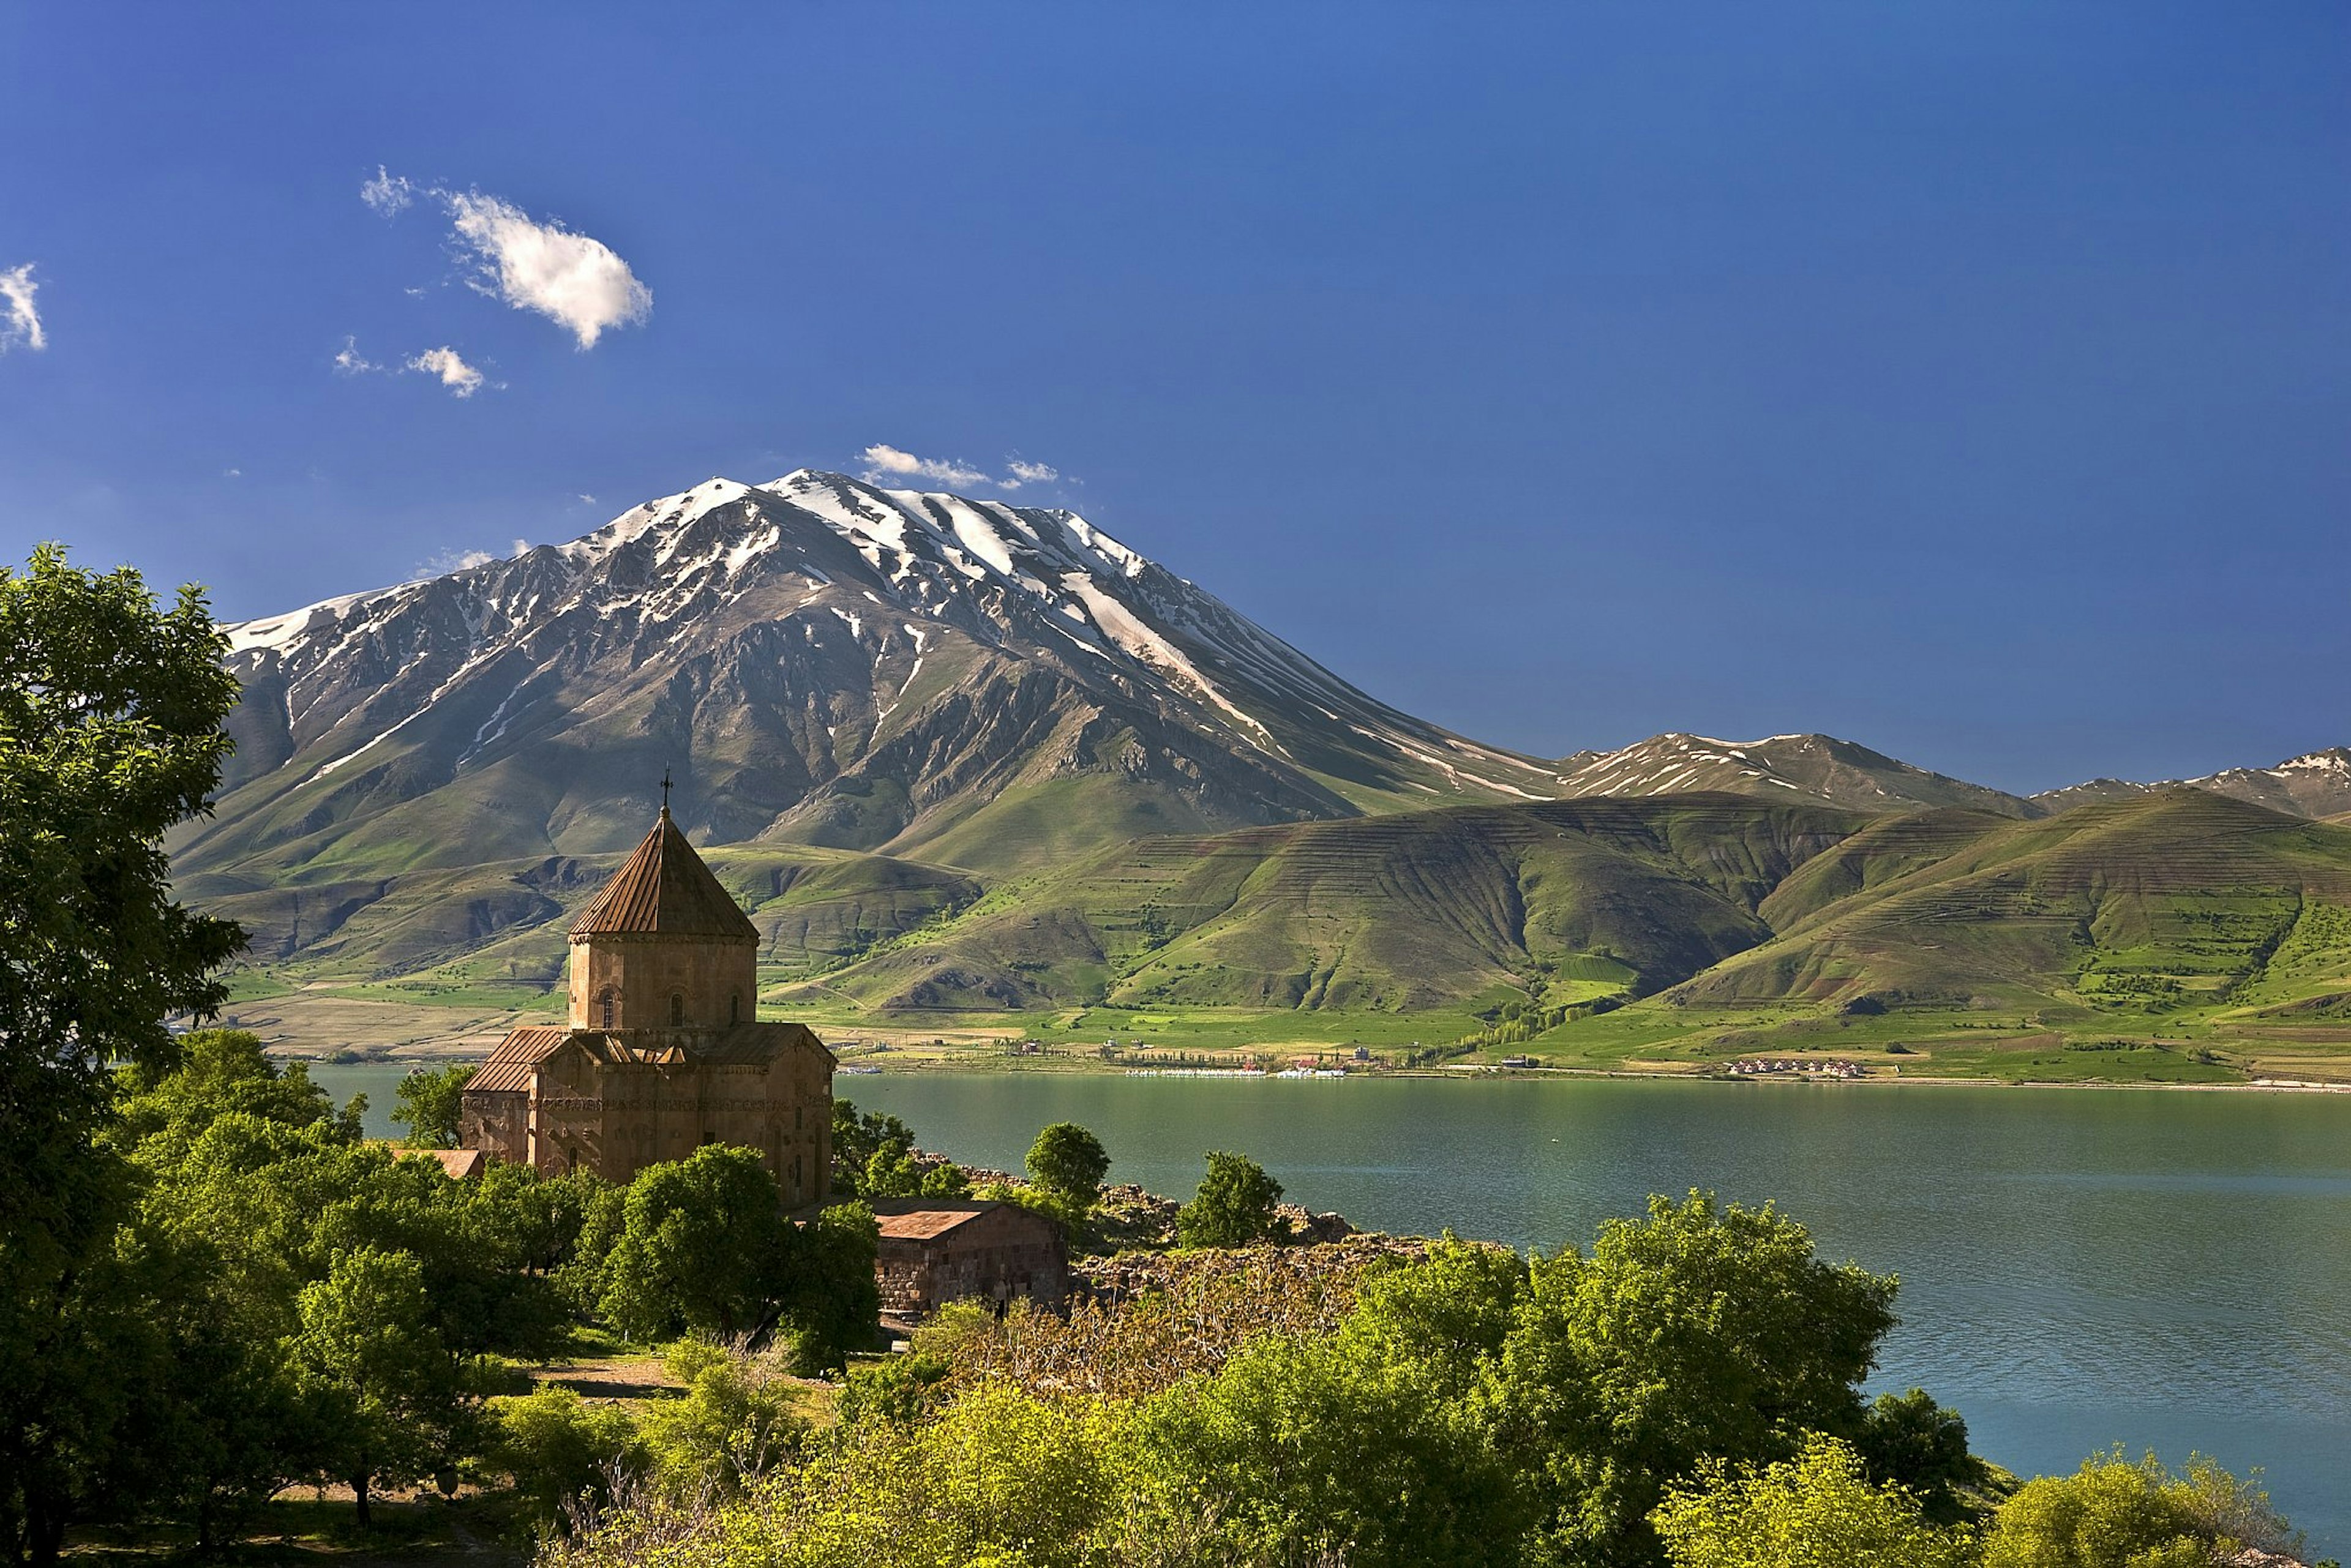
(1449, 1313)
(704, 1249)
(698, 1249)
(430, 1101)
(1309, 1452)
(898, 1392)
(399, 1407)
(859, 1139)
(831, 1301)
(1909, 1440)
(2119, 1513)
(1700, 1333)
(1069, 1163)
(1234, 1207)
(1818, 1510)
(737, 1420)
(221, 1071)
(895, 1172)
(558, 1449)
(111, 711)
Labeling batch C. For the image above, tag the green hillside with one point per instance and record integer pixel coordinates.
(505, 922)
(1562, 901)
(2168, 901)
(2172, 935)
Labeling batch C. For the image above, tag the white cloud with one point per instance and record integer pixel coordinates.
(20, 323)
(586, 499)
(891, 463)
(885, 463)
(350, 361)
(232, 473)
(450, 560)
(565, 276)
(460, 378)
(387, 192)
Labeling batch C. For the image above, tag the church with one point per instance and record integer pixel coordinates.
(662, 1052)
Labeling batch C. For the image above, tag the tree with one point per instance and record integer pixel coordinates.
(1309, 1452)
(396, 1403)
(559, 1448)
(111, 710)
(699, 1248)
(1700, 1333)
(1069, 1163)
(429, 1102)
(857, 1138)
(2119, 1512)
(1911, 1441)
(831, 1301)
(737, 1419)
(1234, 1207)
(1815, 1511)
(1449, 1313)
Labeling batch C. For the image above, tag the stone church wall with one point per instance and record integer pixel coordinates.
(664, 982)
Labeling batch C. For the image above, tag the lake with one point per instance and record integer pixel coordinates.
(2166, 1269)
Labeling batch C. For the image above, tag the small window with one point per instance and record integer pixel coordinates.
(605, 1003)
(677, 1009)
(734, 1006)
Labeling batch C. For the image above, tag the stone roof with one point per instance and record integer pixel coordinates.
(458, 1164)
(664, 889)
(925, 1218)
(509, 1067)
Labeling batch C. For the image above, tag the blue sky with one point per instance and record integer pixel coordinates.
(1969, 379)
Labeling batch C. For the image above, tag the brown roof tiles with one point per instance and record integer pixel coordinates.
(664, 889)
(925, 1218)
(508, 1067)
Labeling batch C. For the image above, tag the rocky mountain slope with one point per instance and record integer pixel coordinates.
(1781, 767)
(2316, 784)
(954, 753)
(821, 662)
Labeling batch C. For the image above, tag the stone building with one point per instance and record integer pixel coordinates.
(933, 1252)
(662, 1052)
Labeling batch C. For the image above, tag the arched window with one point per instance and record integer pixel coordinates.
(606, 1005)
(677, 1009)
(734, 1006)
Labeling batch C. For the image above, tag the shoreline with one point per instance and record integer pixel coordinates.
(1789, 1081)
(401, 1057)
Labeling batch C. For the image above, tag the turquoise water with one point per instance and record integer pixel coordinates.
(2078, 1267)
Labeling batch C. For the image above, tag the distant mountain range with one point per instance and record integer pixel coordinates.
(881, 704)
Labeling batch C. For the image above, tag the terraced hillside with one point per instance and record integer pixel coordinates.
(2173, 934)
(2168, 901)
(1565, 900)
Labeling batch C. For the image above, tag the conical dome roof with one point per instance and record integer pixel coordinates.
(664, 889)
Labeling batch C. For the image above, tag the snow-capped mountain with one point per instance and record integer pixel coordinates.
(1816, 767)
(819, 660)
(2315, 784)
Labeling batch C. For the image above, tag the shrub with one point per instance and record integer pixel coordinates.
(2118, 1512)
(559, 1448)
(1816, 1511)
(1234, 1207)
